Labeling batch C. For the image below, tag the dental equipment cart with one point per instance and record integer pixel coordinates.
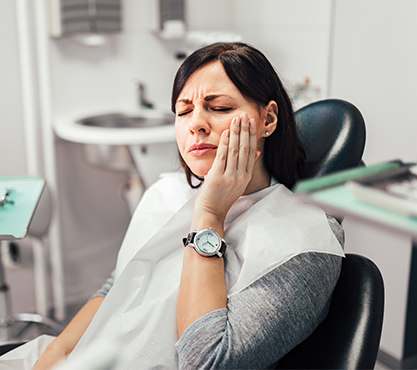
(19, 197)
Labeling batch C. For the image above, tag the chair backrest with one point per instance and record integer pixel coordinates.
(332, 132)
(349, 336)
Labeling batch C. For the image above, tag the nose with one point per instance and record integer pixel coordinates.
(199, 122)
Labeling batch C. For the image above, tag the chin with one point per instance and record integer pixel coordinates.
(200, 169)
(200, 173)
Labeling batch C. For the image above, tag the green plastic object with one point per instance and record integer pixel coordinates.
(16, 215)
(342, 201)
(338, 178)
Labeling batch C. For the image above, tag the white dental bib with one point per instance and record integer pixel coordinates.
(263, 230)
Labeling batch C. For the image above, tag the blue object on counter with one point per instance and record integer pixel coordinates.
(16, 213)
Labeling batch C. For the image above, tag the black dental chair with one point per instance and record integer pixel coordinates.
(333, 135)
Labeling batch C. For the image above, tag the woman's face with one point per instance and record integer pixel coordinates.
(204, 109)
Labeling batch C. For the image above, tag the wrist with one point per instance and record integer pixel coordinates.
(203, 220)
(207, 224)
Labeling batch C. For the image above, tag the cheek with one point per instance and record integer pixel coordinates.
(222, 123)
(180, 137)
(260, 131)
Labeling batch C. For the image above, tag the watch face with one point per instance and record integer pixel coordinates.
(207, 242)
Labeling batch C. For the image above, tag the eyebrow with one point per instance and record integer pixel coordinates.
(206, 98)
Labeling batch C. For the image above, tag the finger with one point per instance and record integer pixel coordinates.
(233, 152)
(253, 154)
(244, 144)
(220, 161)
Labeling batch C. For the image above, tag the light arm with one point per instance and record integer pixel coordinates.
(202, 286)
(63, 345)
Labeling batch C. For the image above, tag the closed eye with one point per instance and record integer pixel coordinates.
(180, 114)
(222, 109)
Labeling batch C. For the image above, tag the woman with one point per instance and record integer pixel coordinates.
(208, 305)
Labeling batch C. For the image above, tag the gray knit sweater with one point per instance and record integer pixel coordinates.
(267, 319)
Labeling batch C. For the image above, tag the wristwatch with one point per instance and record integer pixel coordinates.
(206, 242)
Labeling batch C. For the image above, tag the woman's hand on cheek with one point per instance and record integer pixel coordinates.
(232, 168)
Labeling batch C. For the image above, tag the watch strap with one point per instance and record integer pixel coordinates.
(222, 249)
(190, 238)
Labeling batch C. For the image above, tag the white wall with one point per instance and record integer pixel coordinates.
(294, 35)
(374, 66)
(12, 157)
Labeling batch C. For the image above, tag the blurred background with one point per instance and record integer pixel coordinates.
(63, 61)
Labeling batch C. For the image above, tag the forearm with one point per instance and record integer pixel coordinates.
(63, 345)
(78, 325)
(202, 287)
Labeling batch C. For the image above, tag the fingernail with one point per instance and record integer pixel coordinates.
(245, 117)
(237, 121)
(227, 133)
(252, 123)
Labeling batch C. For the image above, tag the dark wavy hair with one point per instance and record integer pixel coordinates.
(258, 82)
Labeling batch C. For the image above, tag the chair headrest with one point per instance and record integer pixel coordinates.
(332, 132)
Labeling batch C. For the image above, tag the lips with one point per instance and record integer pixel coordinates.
(198, 150)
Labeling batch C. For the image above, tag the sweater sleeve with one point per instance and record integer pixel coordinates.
(102, 292)
(267, 319)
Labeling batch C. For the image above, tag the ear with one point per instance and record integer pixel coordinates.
(271, 118)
